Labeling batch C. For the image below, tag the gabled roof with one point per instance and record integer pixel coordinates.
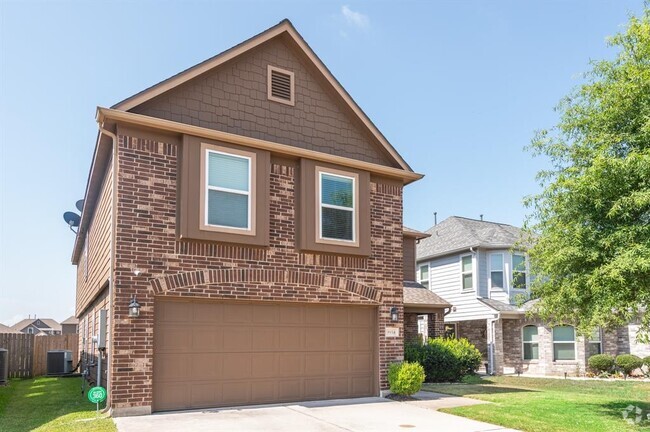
(456, 234)
(71, 320)
(50, 323)
(283, 28)
(7, 329)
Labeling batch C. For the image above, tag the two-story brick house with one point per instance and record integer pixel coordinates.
(482, 269)
(254, 213)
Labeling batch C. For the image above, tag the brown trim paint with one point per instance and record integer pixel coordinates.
(190, 222)
(307, 225)
(292, 89)
(107, 114)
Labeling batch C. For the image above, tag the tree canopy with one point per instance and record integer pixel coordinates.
(590, 225)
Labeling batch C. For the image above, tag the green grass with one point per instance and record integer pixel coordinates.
(549, 405)
(49, 404)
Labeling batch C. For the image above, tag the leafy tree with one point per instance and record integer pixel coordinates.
(590, 226)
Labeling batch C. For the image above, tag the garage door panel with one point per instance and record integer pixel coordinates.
(339, 339)
(291, 338)
(317, 339)
(236, 392)
(205, 338)
(315, 364)
(203, 395)
(266, 339)
(237, 365)
(210, 354)
(361, 386)
(361, 362)
(173, 367)
(316, 388)
(264, 365)
(291, 364)
(237, 313)
(362, 339)
(339, 363)
(264, 391)
(339, 387)
(208, 365)
(208, 313)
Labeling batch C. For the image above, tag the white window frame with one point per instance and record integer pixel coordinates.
(207, 188)
(512, 271)
(523, 344)
(575, 344)
(503, 271)
(463, 273)
(420, 280)
(30, 330)
(321, 206)
(599, 342)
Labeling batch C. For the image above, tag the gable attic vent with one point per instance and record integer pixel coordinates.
(281, 85)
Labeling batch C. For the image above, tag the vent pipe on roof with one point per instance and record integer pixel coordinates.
(481, 216)
(435, 218)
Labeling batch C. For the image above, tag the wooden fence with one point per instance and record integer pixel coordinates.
(28, 353)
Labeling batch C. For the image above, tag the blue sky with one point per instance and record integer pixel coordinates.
(458, 87)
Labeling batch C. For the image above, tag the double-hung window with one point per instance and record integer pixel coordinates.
(496, 270)
(467, 272)
(564, 343)
(519, 271)
(337, 207)
(530, 342)
(595, 342)
(228, 190)
(423, 275)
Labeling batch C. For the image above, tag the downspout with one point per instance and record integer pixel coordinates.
(111, 257)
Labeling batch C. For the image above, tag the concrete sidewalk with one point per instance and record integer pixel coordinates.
(350, 415)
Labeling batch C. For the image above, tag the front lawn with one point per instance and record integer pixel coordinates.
(49, 404)
(545, 405)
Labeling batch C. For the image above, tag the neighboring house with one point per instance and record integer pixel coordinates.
(254, 213)
(479, 268)
(7, 329)
(70, 326)
(38, 326)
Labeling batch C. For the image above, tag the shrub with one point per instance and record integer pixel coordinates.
(601, 363)
(646, 369)
(444, 359)
(405, 378)
(628, 363)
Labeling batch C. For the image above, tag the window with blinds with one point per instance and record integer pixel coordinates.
(337, 207)
(228, 190)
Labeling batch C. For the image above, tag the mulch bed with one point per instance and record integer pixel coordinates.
(400, 398)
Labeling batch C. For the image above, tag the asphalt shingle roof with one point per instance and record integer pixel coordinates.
(416, 294)
(457, 233)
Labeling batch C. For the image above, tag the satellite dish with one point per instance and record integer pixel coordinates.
(72, 219)
(80, 205)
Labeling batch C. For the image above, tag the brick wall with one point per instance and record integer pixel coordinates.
(476, 332)
(146, 241)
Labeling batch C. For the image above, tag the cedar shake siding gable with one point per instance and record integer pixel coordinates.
(233, 98)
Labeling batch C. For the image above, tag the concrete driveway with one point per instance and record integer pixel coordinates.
(351, 415)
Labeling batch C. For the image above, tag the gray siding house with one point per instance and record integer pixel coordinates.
(477, 267)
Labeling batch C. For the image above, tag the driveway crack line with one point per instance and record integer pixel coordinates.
(320, 419)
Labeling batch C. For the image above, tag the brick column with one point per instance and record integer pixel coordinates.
(410, 327)
(435, 325)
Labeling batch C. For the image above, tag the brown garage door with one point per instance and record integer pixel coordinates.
(209, 354)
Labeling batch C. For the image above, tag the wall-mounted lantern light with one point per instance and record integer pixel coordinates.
(134, 308)
(393, 314)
